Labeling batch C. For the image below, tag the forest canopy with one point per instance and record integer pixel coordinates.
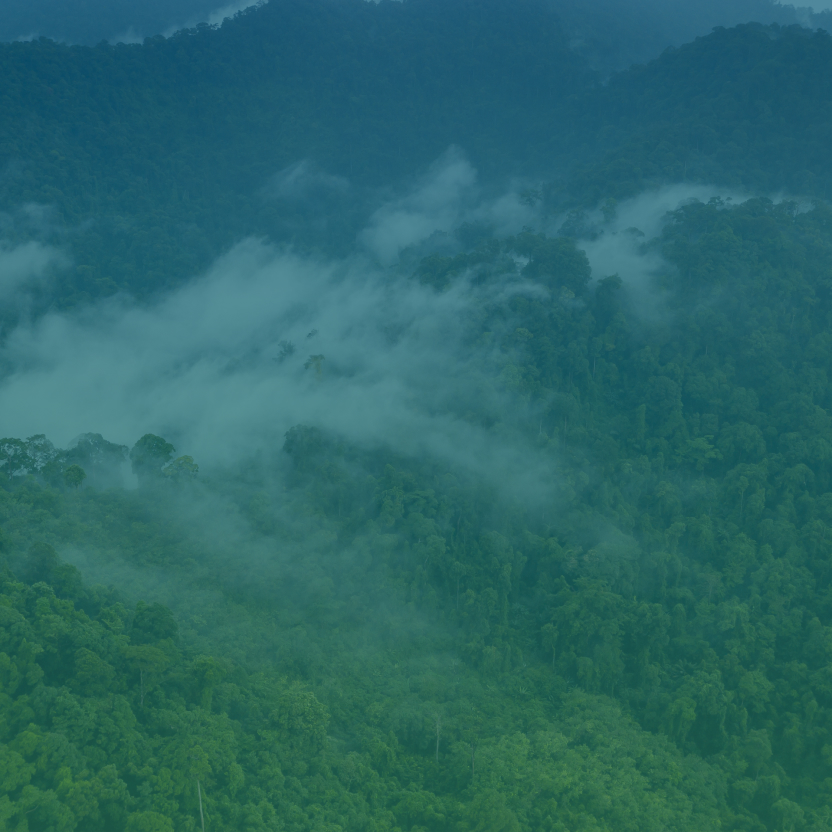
(486, 493)
(150, 160)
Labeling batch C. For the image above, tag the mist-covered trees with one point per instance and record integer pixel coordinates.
(93, 461)
(631, 632)
(74, 475)
(656, 623)
(210, 118)
(149, 455)
(101, 458)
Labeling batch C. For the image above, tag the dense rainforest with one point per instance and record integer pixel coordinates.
(609, 34)
(152, 159)
(92, 21)
(546, 552)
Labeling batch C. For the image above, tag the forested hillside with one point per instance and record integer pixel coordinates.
(728, 108)
(499, 514)
(615, 35)
(669, 599)
(155, 158)
(92, 21)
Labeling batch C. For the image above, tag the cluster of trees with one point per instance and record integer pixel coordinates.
(119, 715)
(92, 454)
(615, 37)
(690, 573)
(644, 646)
(164, 151)
(344, 638)
(159, 156)
(106, 725)
(684, 568)
(96, 20)
(725, 109)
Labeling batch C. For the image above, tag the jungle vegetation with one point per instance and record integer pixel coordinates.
(329, 636)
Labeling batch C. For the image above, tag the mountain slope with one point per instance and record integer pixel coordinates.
(139, 148)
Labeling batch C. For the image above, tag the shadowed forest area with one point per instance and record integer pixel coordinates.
(410, 427)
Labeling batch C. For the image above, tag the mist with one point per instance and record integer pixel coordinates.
(89, 23)
(621, 245)
(268, 339)
(447, 196)
(24, 268)
(408, 423)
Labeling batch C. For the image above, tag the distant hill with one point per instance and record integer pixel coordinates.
(91, 21)
(161, 152)
(177, 137)
(613, 34)
(529, 530)
(748, 107)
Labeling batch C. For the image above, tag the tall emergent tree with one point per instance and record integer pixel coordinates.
(148, 456)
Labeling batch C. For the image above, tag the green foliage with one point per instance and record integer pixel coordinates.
(349, 638)
(159, 156)
(41, 563)
(153, 623)
(102, 458)
(148, 456)
(74, 475)
(182, 468)
(691, 116)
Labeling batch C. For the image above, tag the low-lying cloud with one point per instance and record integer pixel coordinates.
(445, 198)
(24, 267)
(304, 182)
(264, 341)
(213, 17)
(620, 248)
(268, 339)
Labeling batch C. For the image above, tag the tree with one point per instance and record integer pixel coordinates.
(101, 458)
(41, 562)
(149, 455)
(153, 623)
(148, 660)
(789, 815)
(148, 822)
(550, 640)
(14, 457)
(207, 673)
(300, 719)
(287, 350)
(40, 451)
(315, 362)
(74, 476)
(306, 446)
(555, 262)
(182, 468)
(488, 813)
(698, 452)
(93, 675)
